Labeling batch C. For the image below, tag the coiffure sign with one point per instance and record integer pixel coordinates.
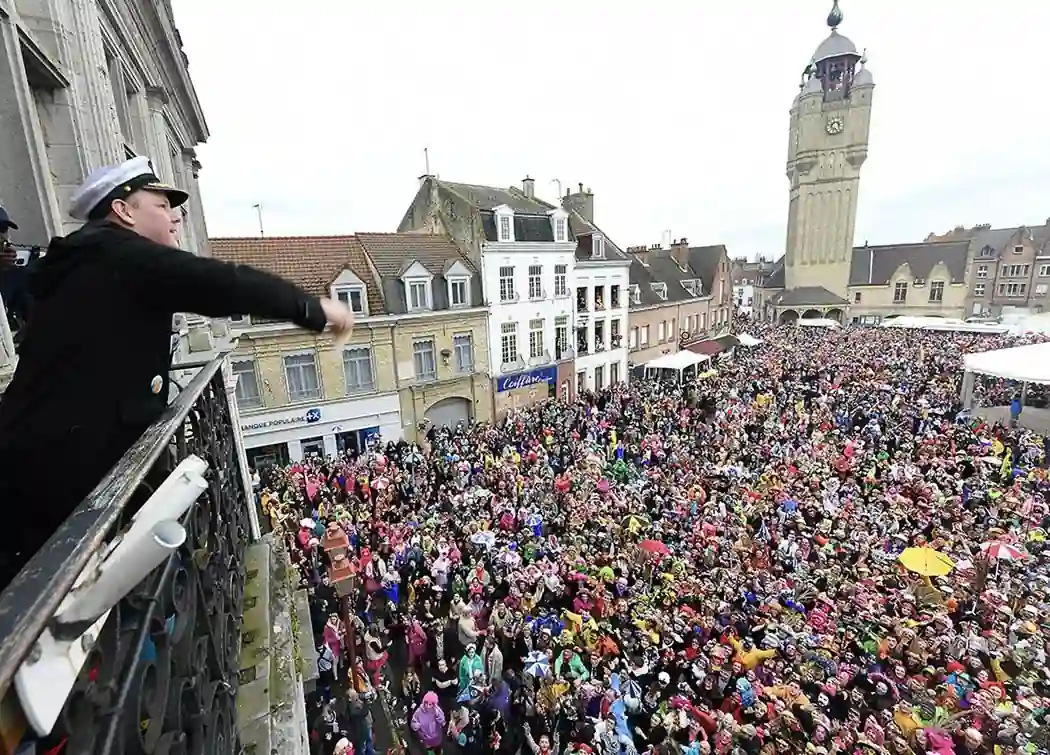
(309, 418)
(524, 379)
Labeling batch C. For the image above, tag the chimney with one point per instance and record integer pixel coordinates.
(680, 252)
(582, 202)
(528, 187)
(640, 252)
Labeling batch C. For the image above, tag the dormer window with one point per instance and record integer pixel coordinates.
(560, 231)
(458, 292)
(504, 223)
(636, 294)
(660, 289)
(419, 287)
(418, 294)
(351, 291)
(597, 247)
(353, 297)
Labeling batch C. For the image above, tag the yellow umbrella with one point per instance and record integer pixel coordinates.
(926, 561)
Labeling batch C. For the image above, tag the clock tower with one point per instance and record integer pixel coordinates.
(827, 145)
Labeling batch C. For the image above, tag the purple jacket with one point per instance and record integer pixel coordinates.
(429, 725)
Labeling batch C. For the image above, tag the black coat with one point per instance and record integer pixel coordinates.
(93, 366)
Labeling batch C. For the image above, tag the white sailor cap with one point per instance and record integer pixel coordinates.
(115, 182)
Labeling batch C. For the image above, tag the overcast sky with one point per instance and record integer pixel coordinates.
(674, 112)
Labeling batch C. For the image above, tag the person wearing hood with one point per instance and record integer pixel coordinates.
(428, 722)
(86, 397)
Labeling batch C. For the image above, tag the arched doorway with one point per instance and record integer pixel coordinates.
(811, 314)
(788, 316)
(449, 411)
(834, 314)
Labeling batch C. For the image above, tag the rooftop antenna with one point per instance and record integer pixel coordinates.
(258, 211)
(557, 181)
(426, 159)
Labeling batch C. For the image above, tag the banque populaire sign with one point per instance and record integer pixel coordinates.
(523, 379)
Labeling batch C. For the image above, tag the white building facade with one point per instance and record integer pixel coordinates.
(528, 288)
(601, 298)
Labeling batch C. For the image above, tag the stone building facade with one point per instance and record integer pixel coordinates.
(412, 356)
(1010, 269)
(84, 83)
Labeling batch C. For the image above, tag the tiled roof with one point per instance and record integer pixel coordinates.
(393, 252)
(490, 197)
(808, 296)
(876, 265)
(658, 267)
(311, 262)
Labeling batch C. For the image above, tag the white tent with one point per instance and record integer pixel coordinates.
(1039, 323)
(679, 361)
(1028, 364)
(746, 339)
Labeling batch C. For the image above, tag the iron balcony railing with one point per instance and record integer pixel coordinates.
(160, 674)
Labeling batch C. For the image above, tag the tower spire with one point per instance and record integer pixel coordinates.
(835, 16)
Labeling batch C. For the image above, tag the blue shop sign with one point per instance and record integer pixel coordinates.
(546, 375)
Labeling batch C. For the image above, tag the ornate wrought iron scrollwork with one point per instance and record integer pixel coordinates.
(162, 677)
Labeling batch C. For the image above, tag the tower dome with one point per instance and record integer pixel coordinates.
(834, 46)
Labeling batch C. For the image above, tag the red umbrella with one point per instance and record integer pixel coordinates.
(997, 550)
(654, 546)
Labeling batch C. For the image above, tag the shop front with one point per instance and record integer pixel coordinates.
(525, 388)
(280, 437)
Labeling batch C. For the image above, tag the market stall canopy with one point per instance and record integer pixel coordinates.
(1039, 323)
(1029, 364)
(746, 339)
(679, 360)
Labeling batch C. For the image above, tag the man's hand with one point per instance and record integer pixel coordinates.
(8, 256)
(341, 320)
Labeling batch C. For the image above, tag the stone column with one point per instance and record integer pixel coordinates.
(196, 208)
(26, 191)
(157, 134)
(238, 439)
(83, 54)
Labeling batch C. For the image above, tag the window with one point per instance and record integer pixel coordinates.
(561, 277)
(581, 381)
(535, 339)
(660, 289)
(505, 228)
(423, 360)
(614, 333)
(1040, 289)
(661, 332)
(561, 335)
(457, 292)
(636, 294)
(1015, 271)
(300, 371)
(508, 345)
(599, 298)
(1044, 271)
(559, 229)
(987, 251)
(614, 296)
(978, 290)
(900, 292)
(535, 281)
(418, 295)
(506, 283)
(353, 298)
(357, 370)
(599, 335)
(632, 339)
(614, 373)
(670, 330)
(937, 291)
(248, 394)
(599, 378)
(644, 336)
(982, 271)
(856, 297)
(1018, 249)
(463, 346)
(1012, 289)
(597, 247)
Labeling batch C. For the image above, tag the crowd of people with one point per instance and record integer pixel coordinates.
(810, 548)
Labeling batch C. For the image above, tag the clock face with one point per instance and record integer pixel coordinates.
(835, 125)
